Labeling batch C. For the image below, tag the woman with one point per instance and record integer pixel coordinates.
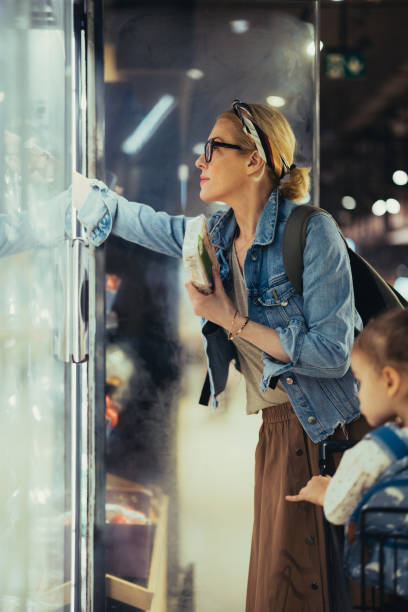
(292, 350)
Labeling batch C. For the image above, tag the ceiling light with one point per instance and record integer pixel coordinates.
(348, 202)
(276, 101)
(239, 26)
(379, 208)
(183, 172)
(195, 74)
(310, 49)
(393, 206)
(198, 148)
(148, 125)
(400, 177)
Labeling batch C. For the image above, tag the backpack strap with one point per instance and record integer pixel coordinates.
(397, 448)
(294, 241)
(390, 442)
(372, 295)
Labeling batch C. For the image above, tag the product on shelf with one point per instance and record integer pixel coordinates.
(131, 515)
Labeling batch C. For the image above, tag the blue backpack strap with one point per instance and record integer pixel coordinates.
(390, 442)
(393, 445)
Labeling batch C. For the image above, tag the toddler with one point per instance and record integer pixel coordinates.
(379, 361)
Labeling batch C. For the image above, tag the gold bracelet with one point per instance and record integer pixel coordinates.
(242, 327)
(232, 335)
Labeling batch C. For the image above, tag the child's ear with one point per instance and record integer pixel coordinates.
(392, 380)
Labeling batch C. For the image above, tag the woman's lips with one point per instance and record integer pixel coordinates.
(203, 180)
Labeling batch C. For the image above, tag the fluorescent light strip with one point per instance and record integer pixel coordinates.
(149, 125)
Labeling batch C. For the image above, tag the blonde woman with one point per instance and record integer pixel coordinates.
(293, 350)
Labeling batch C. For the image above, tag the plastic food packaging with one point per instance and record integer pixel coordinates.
(199, 255)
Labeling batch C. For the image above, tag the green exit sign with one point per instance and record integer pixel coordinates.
(344, 64)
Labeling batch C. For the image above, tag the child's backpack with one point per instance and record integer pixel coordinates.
(377, 531)
(372, 293)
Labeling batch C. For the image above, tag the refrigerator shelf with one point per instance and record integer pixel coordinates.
(152, 598)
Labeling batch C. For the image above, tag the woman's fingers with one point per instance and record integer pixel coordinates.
(195, 297)
(217, 278)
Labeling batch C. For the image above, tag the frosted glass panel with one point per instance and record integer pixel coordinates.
(34, 428)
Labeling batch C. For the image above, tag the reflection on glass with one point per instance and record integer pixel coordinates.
(34, 487)
(197, 463)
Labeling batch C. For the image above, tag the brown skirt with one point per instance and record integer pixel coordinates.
(287, 570)
(287, 563)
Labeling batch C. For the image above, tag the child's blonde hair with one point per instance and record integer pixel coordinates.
(384, 340)
(296, 184)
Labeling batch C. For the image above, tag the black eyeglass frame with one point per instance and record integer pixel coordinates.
(212, 144)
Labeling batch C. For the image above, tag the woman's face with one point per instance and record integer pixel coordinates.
(226, 174)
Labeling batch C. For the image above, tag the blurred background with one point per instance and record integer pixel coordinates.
(122, 492)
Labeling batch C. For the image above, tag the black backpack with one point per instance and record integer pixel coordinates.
(372, 293)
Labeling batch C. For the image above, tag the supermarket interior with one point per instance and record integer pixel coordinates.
(120, 491)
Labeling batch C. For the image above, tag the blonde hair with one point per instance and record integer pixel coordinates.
(296, 183)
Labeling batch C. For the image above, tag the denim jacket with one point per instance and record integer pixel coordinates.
(316, 329)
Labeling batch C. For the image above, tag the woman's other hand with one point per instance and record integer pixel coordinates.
(314, 491)
(216, 307)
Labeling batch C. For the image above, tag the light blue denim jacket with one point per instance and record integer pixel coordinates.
(316, 330)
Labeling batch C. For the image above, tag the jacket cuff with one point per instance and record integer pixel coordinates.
(291, 338)
(98, 212)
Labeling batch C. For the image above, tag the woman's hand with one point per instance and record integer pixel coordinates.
(81, 186)
(314, 491)
(216, 307)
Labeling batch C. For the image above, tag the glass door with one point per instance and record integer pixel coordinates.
(179, 475)
(46, 440)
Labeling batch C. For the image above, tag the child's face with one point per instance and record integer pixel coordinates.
(375, 403)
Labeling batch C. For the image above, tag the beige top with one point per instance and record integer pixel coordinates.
(250, 356)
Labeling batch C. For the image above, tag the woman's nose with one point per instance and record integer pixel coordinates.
(200, 162)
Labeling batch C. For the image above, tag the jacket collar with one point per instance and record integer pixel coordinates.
(223, 232)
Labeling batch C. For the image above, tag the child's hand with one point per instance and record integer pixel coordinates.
(314, 491)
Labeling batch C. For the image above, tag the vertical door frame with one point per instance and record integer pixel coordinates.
(88, 296)
(97, 429)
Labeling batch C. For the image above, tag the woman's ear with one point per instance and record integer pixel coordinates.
(392, 379)
(255, 163)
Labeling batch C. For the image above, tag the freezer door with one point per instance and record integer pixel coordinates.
(36, 398)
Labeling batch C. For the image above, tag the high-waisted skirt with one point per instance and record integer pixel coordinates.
(287, 570)
(287, 563)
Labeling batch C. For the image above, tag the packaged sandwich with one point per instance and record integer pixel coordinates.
(199, 255)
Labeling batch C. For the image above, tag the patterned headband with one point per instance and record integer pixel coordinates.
(260, 138)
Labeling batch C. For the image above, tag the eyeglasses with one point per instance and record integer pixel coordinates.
(212, 144)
